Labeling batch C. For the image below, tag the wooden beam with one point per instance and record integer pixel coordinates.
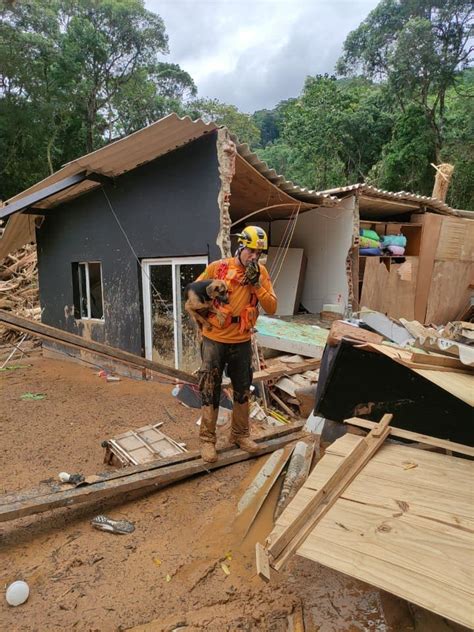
(459, 448)
(429, 243)
(64, 337)
(263, 566)
(157, 477)
(439, 360)
(282, 404)
(273, 373)
(273, 433)
(288, 540)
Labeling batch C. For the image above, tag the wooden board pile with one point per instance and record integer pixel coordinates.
(395, 516)
(19, 288)
(288, 383)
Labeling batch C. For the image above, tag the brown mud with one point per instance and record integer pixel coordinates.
(186, 566)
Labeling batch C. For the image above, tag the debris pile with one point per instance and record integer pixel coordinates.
(19, 288)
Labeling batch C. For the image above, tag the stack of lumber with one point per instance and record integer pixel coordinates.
(399, 518)
(19, 287)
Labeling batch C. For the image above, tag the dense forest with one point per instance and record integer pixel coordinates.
(76, 74)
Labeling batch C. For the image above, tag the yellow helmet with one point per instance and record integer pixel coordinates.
(253, 237)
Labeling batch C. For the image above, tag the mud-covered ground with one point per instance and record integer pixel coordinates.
(168, 574)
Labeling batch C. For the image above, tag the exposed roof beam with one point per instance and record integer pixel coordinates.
(42, 194)
(99, 177)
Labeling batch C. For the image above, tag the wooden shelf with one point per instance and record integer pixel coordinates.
(387, 256)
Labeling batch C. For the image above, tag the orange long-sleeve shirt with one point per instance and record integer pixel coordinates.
(239, 297)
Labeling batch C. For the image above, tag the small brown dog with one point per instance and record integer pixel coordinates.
(199, 297)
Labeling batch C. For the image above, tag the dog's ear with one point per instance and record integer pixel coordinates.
(211, 289)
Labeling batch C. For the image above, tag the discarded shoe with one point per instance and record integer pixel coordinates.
(245, 443)
(208, 452)
(120, 527)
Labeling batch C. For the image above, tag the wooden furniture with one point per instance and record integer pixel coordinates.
(404, 524)
(431, 281)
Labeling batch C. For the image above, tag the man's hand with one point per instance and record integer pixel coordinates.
(252, 273)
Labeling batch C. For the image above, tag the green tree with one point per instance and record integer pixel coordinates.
(406, 159)
(459, 141)
(74, 75)
(332, 134)
(239, 123)
(418, 47)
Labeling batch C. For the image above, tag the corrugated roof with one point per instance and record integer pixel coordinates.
(149, 143)
(401, 196)
(300, 193)
(115, 159)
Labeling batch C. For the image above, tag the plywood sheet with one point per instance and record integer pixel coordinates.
(291, 337)
(375, 279)
(287, 273)
(449, 291)
(390, 291)
(405, 524)
(456, 240)
(429, 241)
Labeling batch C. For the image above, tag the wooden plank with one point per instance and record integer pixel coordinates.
(429, 243)
(399, 293)
(291, 537)
(461, 385)
(409, 583)
(254, 497)
(408, 539)
(438, 360)
(154, 478)
(377, 532)
(263, 566)
(456, 240)
(397, 490)
(291, 337)
(430, 460)
(375, 277)
(274, 433)
(64, 337)
(282, 404)
(273, 373)
(449, 290)
(415, 436)
(340, 330)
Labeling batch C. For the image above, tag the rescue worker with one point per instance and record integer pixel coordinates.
(248, 284)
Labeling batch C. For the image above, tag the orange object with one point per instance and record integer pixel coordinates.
(243, 299)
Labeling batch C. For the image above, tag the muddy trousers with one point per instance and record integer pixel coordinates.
(238, 359)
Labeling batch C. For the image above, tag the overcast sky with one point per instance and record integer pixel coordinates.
(254, 53)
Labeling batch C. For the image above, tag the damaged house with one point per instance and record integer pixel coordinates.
(121, 231)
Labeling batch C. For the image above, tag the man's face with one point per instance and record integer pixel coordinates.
(247, 255)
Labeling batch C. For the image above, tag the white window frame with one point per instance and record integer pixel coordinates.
(146, 287)
(88, 291)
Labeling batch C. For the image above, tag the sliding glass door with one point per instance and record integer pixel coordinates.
(170, 336)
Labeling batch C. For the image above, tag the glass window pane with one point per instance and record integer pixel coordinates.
(189, 347)
(82, 291)
(95, 284)
(161, 290)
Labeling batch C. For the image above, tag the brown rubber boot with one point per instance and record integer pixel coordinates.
(207, 433)
(245, 443)
(240, 428)
(208, 452)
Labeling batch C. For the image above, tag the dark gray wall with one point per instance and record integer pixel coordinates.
(167, 208)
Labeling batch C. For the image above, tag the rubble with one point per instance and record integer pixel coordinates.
(19, 288)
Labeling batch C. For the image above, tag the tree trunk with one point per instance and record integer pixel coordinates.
(444, 173)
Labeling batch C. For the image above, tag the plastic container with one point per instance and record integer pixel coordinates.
(17, 593)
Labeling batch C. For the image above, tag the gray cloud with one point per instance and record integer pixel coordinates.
(256, 53)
